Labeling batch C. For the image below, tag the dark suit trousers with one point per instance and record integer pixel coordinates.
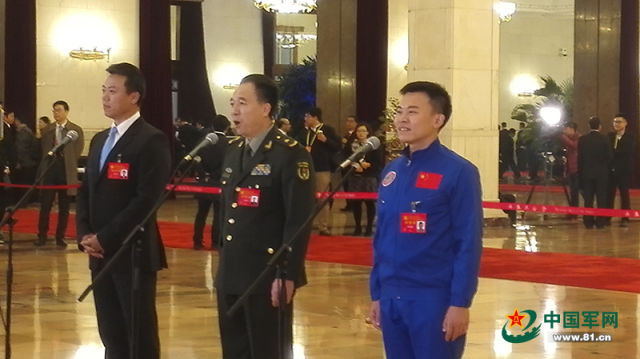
(112, 297)
(204, 205)
(55, 177)
(46, 202)
(252, 332)
(574, 190)
(595, 187)
(621, 183)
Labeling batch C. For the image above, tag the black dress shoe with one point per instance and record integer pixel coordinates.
(357, 232)
(197, 246)
(60, 243)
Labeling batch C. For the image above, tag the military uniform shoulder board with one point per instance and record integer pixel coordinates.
(286, 140)
(235, 139)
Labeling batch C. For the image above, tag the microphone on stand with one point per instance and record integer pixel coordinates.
(210, 139)
(69, 137)
(372, 143)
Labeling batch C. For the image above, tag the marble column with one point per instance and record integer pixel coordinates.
(456, 43)
(398, 41)
(336, 69)
(596, 62)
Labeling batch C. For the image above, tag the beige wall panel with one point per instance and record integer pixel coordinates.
(65, 25)
(233, 46)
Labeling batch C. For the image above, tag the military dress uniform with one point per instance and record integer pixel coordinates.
(266, 197)
(427, 249)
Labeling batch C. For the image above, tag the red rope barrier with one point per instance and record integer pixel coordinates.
(580, 211)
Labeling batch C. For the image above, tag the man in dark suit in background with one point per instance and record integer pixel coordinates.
(594, 159)
(208, 172)
(623, 146)
(127, 170)
(267, 194)
(64, 172)
(323, 143)
(8, 156)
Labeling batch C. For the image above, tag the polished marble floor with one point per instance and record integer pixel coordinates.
(48, 322)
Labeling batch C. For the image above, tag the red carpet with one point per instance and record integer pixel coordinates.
(551, 268)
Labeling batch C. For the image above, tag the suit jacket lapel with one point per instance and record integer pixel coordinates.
(94, 158)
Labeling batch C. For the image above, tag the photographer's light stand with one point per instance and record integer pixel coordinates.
(549, 161)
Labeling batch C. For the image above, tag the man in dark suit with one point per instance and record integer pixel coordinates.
(323, 143)
(208, 172)
(127, 170)
(506, 152)
(623, 146)
(347, 140)
(267, 192)
(8, 156)
(594, 159)
(64, 172)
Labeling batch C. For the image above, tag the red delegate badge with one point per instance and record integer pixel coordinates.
(248, 197)
(118, 171)
(428, 180)
(413, 222)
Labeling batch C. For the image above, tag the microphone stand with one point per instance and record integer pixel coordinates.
(136, 251)
(8, 219)
(279, 261)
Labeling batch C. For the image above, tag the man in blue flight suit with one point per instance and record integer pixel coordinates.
(429, 240)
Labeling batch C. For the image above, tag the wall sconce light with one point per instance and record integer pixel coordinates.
(505, 10)
(524, 85)
(95, 54)
(229, 76)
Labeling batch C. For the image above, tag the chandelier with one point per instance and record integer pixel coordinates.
(286, 6)
(288, 40)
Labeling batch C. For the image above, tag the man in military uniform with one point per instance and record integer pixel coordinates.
(267, 194)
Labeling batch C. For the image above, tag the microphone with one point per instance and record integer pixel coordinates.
(210, 139)
(69, 137)
(372, 143)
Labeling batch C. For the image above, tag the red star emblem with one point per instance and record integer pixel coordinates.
(516, 319)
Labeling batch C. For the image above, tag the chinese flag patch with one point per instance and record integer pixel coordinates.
(428, 180)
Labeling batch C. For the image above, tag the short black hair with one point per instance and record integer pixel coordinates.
(504, 124)
(221, 123)
(315, 112)
(571, 124)
(280, 123)
(45, 119)
(134, 82)
(64, 104)
(594, 123)
(438, 96)
(620, 114)
(266, 90)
